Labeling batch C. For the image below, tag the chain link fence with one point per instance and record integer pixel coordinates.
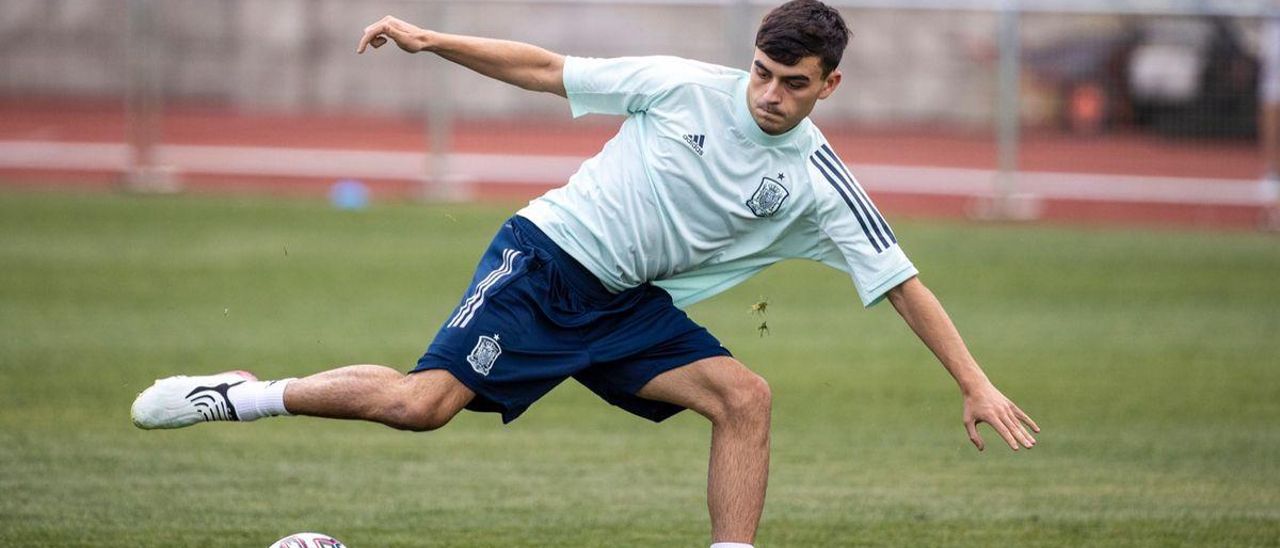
(994, 109)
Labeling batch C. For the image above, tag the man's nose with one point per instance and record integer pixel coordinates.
(771, 93)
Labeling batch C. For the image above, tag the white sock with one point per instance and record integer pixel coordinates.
(256, 399)
(731, 545)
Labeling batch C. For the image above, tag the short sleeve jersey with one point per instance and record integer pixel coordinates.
(693, 196)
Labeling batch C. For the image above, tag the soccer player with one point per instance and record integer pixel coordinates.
(715, 174)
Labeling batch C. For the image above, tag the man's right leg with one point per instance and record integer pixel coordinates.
(419, 401)
(423, 400)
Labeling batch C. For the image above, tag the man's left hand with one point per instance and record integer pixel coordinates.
(988, 405)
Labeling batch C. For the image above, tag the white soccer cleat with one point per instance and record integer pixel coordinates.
(181, 401)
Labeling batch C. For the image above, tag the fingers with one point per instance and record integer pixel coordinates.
(1014, 419)
(373, 34)
(1005, 433)
(1019, 433)
(972, 428)
(1004, 417)
(371, 37)
(1024, 418)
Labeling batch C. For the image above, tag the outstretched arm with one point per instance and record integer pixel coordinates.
(516, 63)
(982, 401)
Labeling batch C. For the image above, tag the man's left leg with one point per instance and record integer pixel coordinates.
(737, 402)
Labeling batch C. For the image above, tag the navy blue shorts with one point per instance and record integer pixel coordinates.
(534, 317)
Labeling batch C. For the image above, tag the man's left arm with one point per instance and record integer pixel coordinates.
(982, 401)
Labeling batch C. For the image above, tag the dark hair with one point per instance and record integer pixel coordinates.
(801, 28)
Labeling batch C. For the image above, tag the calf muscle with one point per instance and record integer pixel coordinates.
(419, 401)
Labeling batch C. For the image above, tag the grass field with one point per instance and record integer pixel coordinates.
(1150, 358)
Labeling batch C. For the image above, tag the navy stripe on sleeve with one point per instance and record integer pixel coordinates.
(854, 209)
(850, 186)
(859, 189)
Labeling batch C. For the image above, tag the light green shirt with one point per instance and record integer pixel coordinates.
(693, 196)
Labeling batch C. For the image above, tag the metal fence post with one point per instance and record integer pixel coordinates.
(440, 183)
(144, 104)
(1269, 183)
(738, 30)
(1005, 201)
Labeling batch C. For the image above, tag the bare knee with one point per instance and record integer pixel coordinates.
(721, 389)
(746, 400)
(424, 402)
(414, 416)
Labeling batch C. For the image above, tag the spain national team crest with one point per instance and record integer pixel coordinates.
(484, 354)
(768, 198)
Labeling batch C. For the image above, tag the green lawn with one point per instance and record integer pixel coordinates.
(1150, 358)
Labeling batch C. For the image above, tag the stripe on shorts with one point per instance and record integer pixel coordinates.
(476, 300)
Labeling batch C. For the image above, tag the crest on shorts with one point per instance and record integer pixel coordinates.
(768, 198)
(484, 354)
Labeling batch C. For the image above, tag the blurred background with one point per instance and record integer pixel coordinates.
(1118, 111)
(166, 172)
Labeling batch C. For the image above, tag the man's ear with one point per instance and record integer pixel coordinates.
(830, 84)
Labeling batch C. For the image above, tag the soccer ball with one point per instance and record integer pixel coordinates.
(308, 540)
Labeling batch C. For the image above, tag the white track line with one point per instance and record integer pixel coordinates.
(553, 170)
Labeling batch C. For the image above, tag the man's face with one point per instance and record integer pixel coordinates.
(780, 96)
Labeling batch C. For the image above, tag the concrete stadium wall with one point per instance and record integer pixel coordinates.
(903, 66)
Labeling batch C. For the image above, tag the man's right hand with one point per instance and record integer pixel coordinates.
(516, 63)
(409, 37)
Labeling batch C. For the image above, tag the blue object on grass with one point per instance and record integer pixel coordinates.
(349, 194)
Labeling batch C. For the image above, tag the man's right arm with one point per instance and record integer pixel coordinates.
(516, 63)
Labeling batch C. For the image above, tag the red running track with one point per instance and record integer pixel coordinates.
(1124, 154)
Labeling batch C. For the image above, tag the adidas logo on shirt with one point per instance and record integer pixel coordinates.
(696, 141)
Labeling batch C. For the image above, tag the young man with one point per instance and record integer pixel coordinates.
(716, 174)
